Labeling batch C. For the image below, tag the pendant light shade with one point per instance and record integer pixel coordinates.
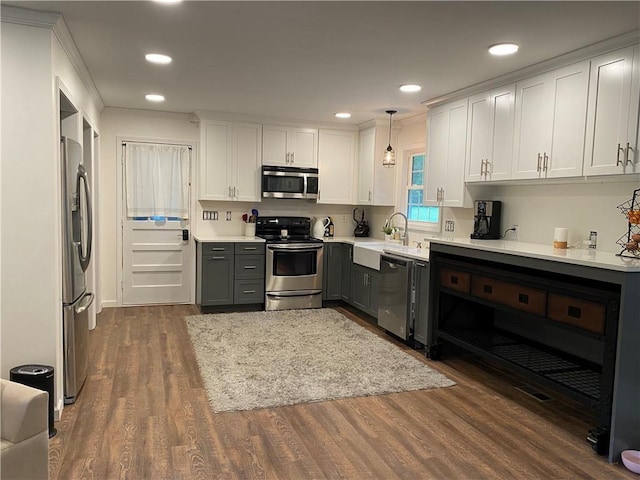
(389, 158)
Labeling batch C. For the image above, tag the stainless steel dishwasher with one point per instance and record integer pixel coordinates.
(396, 295)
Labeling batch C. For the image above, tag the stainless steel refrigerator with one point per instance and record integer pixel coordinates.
(76, 255)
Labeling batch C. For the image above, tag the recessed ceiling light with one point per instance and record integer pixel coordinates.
(153, 97)
(158, 58)
(503, 49)
(410, 87)
(168, 1)
(343, 115)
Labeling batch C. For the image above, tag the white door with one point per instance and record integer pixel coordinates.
(612, 114)
(479, 130)
(337, 150)
(156, 267)
(304, 147)
(534, 117)
(438, 144)
(156, 259)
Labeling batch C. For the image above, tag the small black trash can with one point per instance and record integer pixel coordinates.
(40, 377)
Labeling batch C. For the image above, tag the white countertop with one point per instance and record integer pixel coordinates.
(575, 256)
(226, 239)
(379, 245)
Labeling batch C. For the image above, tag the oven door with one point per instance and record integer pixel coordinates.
(294, 266)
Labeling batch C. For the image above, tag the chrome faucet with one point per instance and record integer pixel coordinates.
(404, 237)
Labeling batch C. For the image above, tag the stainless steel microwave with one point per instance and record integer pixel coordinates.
(289, 182)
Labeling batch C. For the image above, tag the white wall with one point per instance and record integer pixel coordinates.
(31, 310)
(537, 209)
(122, 122)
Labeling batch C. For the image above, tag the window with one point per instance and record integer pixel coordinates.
(421, 216)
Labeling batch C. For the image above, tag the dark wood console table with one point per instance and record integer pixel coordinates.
(572, 328)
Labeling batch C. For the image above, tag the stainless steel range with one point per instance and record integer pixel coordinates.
(294, 263)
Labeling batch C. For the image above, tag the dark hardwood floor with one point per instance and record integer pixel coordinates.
(143, 414)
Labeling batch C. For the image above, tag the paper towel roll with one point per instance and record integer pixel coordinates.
(560, 237)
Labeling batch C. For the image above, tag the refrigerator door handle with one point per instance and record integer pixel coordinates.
(82, 176)
(85, 303)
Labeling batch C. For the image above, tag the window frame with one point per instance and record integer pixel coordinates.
(402, 204)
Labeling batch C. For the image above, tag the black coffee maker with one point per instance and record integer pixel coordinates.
(486, 219)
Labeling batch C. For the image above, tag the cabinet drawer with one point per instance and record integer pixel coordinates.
(249, 266)
(527, 299)
(212, 248)
(455, 279)
(248, 291)
(250, 248)
(577, 312)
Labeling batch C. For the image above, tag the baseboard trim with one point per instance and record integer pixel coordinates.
(108, 304)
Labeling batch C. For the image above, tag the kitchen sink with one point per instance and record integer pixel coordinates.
(368, 255)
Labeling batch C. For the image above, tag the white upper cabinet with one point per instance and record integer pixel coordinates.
(490, 135)
(336, 159)
(612, 128)
(550, 122)
(230, 160)
(446, 144)
(375, 183)
(290, 146)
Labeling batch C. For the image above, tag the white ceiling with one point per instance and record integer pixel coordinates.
(307, 60)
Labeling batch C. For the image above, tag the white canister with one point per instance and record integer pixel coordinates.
(560, 237)
(249, 229)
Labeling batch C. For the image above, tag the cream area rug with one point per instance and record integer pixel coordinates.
(255, 360)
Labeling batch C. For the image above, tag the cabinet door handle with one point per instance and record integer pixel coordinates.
(230, 195)
(618, 156)
(217, 249)
(235, 192)
(539, 161)
(249, 267)
(293, 157)
(545, 162)
(420, 265)
(248, 291)
(246, 249)
(216, 258)
(626, 155)
(486, 167)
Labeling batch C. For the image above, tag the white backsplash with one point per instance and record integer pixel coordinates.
(581, 207)
(342, 215)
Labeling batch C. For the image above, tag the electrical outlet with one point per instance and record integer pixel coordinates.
(345, 218)
(512, 233)
(448, 226)
(228, 215)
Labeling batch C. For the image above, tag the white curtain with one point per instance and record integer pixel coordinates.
(157, 180)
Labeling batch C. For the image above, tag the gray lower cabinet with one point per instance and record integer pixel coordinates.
(214, 282)
(229, 273)
(347, 260)
(364, 289)
(332, 273)
(421, 308)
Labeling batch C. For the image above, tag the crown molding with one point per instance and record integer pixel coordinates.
(63, 35)
(581, 54)
(55, 22)
(25, 16)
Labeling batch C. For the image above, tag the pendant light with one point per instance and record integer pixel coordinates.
(389, 158)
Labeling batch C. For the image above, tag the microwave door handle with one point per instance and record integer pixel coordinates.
(306, 189)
